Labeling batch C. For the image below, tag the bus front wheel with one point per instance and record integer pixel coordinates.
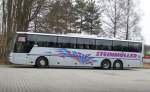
(41, 62)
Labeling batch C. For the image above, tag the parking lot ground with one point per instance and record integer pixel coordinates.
(29, 79)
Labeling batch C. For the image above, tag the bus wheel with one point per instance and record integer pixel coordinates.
(41, 62)
(106, 64)
(118, 65)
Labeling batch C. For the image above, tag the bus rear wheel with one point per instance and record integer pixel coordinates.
(118, 65)
(41, 62)
(106, 64)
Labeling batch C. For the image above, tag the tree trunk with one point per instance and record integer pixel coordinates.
(127, 28)
(115, 20)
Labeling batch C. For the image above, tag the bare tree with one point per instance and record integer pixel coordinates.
(132, 19)
(120, 18)
(112, 16)
(17, 14)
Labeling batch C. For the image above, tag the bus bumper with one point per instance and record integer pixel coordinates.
(11, 57)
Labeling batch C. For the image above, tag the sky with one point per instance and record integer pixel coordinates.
(145, 22)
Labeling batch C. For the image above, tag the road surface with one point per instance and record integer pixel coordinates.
(28, 79)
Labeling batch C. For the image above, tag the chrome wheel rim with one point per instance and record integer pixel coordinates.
(118, 65)
(42, 63)
(106, 65)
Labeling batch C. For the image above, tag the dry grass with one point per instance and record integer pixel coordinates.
(3, 61)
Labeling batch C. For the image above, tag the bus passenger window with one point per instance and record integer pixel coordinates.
(67, 42)
(82, 43)
(135, 47)
(103, 44)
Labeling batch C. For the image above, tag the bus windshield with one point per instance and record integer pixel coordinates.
(23, 44)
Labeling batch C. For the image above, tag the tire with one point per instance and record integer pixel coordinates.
(96, 67)
(106, 64)
(41, 62)
(118, 65)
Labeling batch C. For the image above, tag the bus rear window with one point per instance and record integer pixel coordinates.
(135, 47)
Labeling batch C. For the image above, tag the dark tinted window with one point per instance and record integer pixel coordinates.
(46, 41)
(120, 46)
(66, 42)
(52, 42)
(42, 44)
(135, 47)
(92, 44)
(31, 37)
(23, 44)
(29, 46)
(19, 47)
(103, 45)
(82, 43)
(43, 38)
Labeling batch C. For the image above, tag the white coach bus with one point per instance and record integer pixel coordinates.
(42, 50)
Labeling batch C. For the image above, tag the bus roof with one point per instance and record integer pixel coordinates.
(77, 35)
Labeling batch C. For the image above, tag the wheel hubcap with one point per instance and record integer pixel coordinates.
(117, 65)
(106, 65)
(42, 63)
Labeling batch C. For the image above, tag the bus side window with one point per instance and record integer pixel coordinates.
(46, 41)
(67, 42)
(82, 43)
(135, 47)
(29, 46)
(42, 40)
(59, 45)
(52, 41)
(92, 44)
(103, 44)
(52, 44)
(120, 46)
(42, 44)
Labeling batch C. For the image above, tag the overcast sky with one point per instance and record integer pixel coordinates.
(145, 23)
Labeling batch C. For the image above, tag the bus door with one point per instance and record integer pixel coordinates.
(21, 49)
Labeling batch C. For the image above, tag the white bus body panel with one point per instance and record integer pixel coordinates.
(18, 58)
(77, 57)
